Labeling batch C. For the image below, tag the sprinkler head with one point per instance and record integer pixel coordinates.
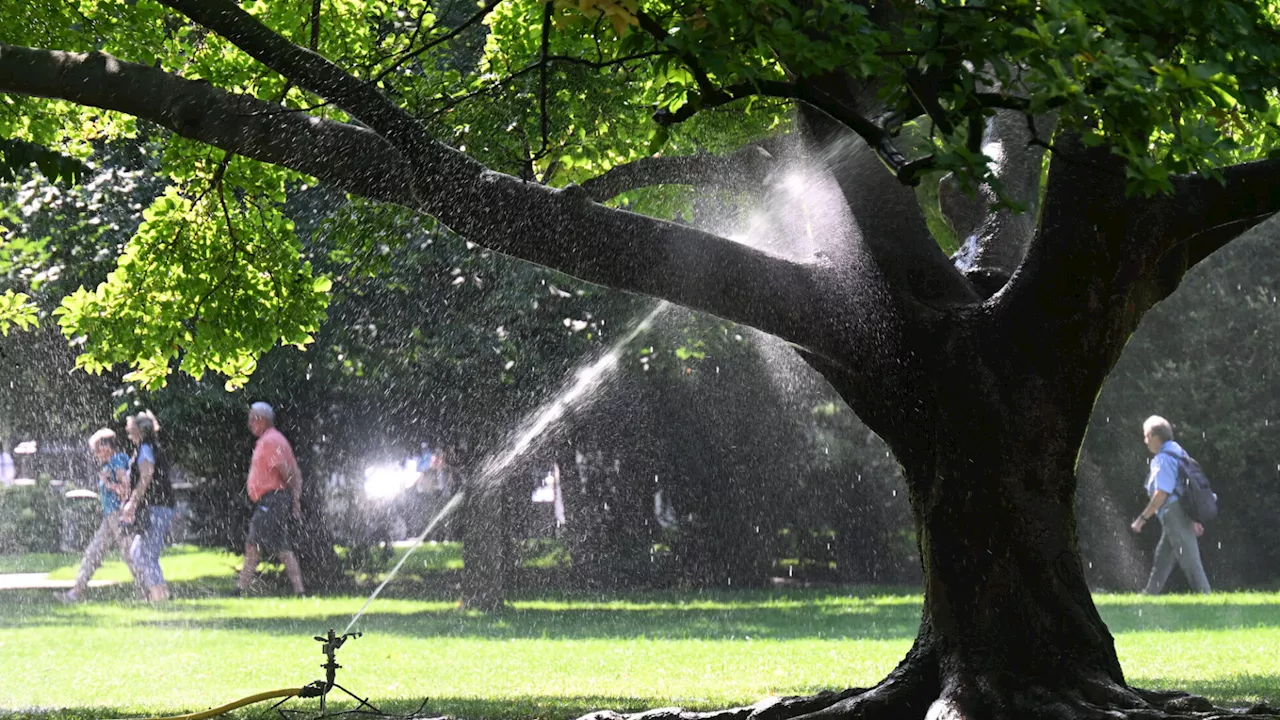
(329, 646)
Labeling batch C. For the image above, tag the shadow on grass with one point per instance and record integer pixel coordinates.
(759, 616)
(781, 614)
(1222, 692)
(1234, 691)
(516, 708)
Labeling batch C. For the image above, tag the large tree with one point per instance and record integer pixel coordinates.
(517, 122)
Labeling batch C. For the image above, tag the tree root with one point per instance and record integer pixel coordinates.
(987, 698)
(832, 704)
(902, 694)
(921, 688)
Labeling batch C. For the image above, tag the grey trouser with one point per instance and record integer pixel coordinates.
(1177, 544)
(107, 537)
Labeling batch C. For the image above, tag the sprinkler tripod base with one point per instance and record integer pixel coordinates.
(321, 688)
(364, 710)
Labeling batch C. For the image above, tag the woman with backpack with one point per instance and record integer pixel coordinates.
(149, 510)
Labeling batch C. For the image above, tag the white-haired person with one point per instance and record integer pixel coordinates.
(113, 488)
(275, 488)
(149, 511)
(1178, 532)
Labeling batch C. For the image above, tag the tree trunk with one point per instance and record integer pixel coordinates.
(1008, 618)
(488, 556)
(989, 460)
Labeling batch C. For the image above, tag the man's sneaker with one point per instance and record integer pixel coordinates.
(69, 596)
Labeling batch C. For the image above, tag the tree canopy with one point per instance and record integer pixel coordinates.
(630, 101)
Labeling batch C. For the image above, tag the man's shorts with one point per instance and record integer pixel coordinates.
(269, 526)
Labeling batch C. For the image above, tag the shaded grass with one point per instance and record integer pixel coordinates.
(553, 656)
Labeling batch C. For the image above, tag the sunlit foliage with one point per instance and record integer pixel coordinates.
(560, 92)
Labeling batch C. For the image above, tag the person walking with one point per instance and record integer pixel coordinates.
(8, 468)
(113, 487)
(275, 488)
(1178, 532)
(149, 510)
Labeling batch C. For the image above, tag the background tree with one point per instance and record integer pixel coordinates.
(980, 379)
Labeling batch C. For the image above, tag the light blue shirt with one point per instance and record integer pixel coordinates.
(1164, 473)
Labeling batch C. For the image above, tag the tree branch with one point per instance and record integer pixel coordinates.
(479, 15)
(993, 243)
(889, 222)
(659, 33)
(723, 96)
(559, 229)
(337, 153)
(309, 70)
(905, 170)
(744, 169)
(544, 117)
(315, 25)
(1100, 259)
(1211, 213)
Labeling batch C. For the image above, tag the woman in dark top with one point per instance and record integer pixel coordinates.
(150, 507)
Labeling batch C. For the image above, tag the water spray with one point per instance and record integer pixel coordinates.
(573, 393)
(453, 504)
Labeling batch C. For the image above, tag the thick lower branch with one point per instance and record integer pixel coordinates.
(1070, 308)
(1210, 213)
(346, 156)
(1102, 258)
(563, 230)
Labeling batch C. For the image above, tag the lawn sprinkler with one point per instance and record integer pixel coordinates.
(320, 688)
(329, 646)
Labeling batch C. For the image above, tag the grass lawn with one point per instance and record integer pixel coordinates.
(547, 657)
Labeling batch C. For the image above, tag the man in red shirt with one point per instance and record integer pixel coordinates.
(275, 488)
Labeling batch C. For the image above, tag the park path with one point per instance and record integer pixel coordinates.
(41, 581)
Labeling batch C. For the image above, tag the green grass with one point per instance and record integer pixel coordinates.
(551, 657)
(36, 562)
